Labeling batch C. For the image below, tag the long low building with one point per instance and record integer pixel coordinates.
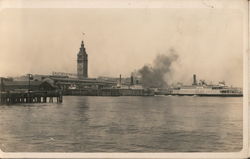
(24, 86)
(75, 83)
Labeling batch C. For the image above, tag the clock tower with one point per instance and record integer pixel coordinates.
(82, 63)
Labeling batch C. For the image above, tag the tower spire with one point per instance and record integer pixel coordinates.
(82, 44)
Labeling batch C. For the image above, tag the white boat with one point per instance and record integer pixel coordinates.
(203, 89)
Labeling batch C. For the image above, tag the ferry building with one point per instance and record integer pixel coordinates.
(82, 63)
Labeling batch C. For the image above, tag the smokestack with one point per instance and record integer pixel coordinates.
(2, 85)
(1, 88)
(137, 82)
(194, 80)
(120, 80)
(132, 80)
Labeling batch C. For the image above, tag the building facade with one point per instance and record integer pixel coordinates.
(82, 63)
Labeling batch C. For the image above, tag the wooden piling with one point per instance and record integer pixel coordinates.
(51, 99)
(44, 99)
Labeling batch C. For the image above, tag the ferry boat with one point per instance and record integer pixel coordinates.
(203, 89)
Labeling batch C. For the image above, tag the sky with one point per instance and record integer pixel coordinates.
(209, 42)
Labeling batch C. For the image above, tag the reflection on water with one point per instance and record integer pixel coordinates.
(124, 124)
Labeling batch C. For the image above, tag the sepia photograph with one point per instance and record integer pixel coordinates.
(131, 79)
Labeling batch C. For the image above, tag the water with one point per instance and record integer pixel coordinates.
(124, 124)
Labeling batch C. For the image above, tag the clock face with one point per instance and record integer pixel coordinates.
(80, 67)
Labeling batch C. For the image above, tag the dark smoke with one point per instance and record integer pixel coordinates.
(156, 76)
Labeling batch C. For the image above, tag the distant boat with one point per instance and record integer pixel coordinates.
(159, 95)
(72, 87)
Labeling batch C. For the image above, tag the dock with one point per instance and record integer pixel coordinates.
(31, 97)
(108, 92)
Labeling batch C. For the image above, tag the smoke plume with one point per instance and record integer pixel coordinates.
(156, 75)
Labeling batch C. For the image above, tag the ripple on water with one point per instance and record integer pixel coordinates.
(124, 124)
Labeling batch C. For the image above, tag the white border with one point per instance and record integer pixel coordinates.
(210, 4)
(213, 4)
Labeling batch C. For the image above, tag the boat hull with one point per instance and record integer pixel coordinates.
(209, 95)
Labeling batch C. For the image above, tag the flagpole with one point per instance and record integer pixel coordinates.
(83, 36)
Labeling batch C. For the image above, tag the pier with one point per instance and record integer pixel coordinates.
(13, 92)
(31, 97)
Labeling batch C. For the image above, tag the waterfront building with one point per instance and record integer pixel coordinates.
(26, 85)
(82, 63)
